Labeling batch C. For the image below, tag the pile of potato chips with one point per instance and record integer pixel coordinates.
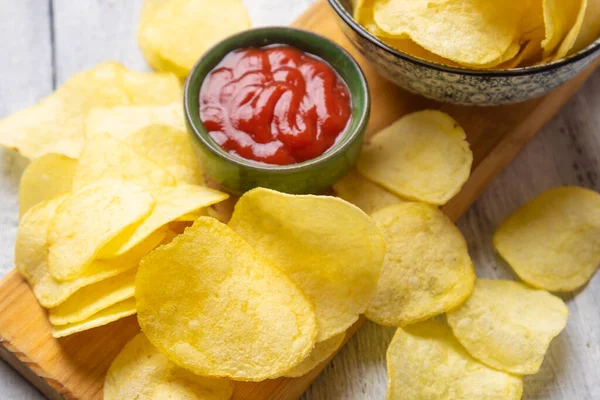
(483, 34)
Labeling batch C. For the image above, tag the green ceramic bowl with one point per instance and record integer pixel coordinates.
(239, 175)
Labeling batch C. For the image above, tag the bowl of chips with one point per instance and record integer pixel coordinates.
(474, 53)
(238, 174)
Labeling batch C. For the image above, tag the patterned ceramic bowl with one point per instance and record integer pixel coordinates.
(460, 85)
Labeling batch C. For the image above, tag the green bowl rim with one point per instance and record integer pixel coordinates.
(332, 152)
(350, 21)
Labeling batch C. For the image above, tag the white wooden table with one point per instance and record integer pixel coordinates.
(44, 42)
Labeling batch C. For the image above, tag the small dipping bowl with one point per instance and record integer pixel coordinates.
(238, 175)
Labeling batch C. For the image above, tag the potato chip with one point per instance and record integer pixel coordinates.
(142, 372)
(106, 316)
(571, 37)
(31, 254)
(508, 325)
(104, 157)
(560, 16)
(321, 352)
(172, 202)
(553, 242)
(44, 178)
(470, 32)
(427, 269)
(56, 124)
(590, 28)
(261, 324)
(169, 148)
(89, 219)
(120, 122)
(173, 34)
(425, 361)
(423, 156)
(369, 197)
(330, 248)
(94, 298)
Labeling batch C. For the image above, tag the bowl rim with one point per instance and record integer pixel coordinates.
(346, 137)
(511, 72)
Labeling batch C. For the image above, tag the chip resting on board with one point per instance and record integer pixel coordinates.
(560, 16)
(172, 202)
(425, 361)
(508, 325)
(142, 372)
(216, 307)
(94, 298)
(56, 124)
(423, 156)
(553, 242)
(366, 195)
(31, 255)
(104, 157)
(106, 316)
(322, 351)
(427, 269)
(330, 248)
(89, 219)
(173, 34)
(44, 178)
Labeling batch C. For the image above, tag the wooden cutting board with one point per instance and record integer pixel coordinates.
(74, 367)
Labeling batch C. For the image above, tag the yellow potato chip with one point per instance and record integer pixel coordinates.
(173, 34)
(56, 124)
(142, 372)
(31, 254)
(104, 157)
(169, 148)
(106, 316)
(590, 28)
(44, 178)
(560, 16)
(423, 156)
(573, 33)
(89, 219)
(470, 32)
(369, 197)
(172, 202)
(261, 324)
(321, 352)
(330, 248)
(94, 298)
(121, 122)
(425, 361)
(508, 325)
(427, 269)
(553, 242)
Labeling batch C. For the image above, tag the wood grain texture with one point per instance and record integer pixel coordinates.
(103, 29)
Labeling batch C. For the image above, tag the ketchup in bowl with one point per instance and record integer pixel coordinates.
(275, 105)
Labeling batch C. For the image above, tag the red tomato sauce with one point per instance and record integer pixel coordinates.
(275, 105)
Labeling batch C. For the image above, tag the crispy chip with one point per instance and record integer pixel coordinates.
(104, 157)
(31, 253)
(172, 202)
(142, 372)
(106, 316)
(321, 352)
(590, 28)
(423, 156)
(508, 325)
(369, 197)
(261, 324)
(427, 269)
(470, 32)
(56, 124)
(121, 122)
(89, 219)
(94, 298)
(330, 248)
(573, 33)
(560, 16)
(425, 361)
(553, 242)
(44, 178)
(173, 34)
